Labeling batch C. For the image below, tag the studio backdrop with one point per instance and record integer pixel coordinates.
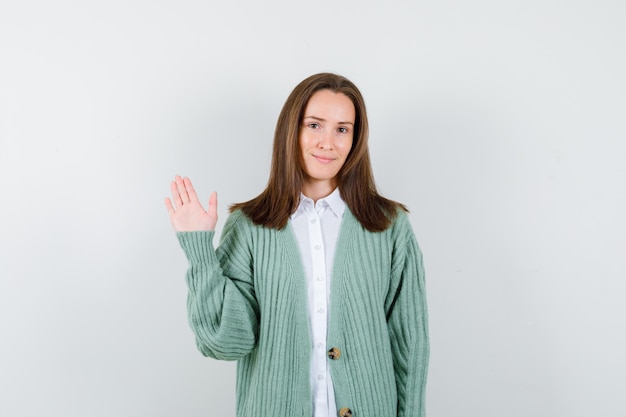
(500, 124)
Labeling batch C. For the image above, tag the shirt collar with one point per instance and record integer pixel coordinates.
(333, 201)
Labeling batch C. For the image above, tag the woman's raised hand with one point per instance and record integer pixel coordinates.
(186, 211)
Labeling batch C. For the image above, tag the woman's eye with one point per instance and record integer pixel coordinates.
(314, 125)
(343, 130)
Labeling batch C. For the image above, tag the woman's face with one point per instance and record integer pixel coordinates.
(325, 140)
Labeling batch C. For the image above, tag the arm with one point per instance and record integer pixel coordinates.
(221, 305)
(222, 308)
(407, 319)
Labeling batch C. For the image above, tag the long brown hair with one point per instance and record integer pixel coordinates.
(355, 180)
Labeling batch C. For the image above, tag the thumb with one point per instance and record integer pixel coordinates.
(213, 204)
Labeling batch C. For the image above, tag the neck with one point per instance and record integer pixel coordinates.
(318, 189)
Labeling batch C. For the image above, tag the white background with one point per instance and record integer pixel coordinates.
(500, 123)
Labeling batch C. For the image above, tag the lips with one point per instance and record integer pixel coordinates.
(323, 159)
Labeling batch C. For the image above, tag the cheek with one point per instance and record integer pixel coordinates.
(303, 144)
(345, 148)
(305, 141)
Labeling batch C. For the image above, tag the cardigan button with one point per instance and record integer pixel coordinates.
(345, 412)
(334, 353)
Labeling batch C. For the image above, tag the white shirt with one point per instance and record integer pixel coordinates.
(316, 226)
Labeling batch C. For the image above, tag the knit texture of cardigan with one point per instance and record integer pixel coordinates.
(248, 302)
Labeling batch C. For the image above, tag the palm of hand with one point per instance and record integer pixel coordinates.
(186, 212)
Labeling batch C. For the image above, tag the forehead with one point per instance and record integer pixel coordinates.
(330, 104)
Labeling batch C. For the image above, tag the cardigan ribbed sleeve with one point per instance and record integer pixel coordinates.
(222, 306)
(408, 321)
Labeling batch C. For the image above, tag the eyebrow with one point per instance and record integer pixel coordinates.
(323, 120)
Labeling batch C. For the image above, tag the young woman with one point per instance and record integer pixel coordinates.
(317, 286)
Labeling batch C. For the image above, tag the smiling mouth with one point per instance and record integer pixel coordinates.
(323, 159)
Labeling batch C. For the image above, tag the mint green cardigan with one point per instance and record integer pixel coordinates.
(247, 302)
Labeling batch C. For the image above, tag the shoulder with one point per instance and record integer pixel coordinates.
(401, 230)
(238, 226)
(400, 223)
(237, 218)
(402, 216)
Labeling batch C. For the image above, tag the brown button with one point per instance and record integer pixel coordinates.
(345, 412)
(334, 353)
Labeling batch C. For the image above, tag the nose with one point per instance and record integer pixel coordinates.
(326, 141)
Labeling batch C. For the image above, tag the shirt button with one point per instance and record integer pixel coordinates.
(320, 278)
(317, 247)
(320, 310)
(320, 377)
(320, 345)
(345, 412)
(334, 353)
(313, 221)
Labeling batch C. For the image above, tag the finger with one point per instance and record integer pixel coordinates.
(213, 204)
(190, 190)
(175, 194)
(182, 190)
(169, 206)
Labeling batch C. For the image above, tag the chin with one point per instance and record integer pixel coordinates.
(323, 176)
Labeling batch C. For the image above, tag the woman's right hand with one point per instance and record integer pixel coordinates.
(186, 211)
